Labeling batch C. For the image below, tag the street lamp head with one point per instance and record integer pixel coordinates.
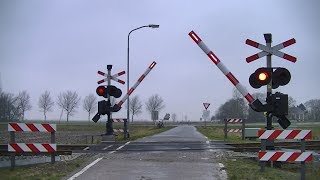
(154, 25)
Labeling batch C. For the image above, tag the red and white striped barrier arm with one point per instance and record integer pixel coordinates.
(222, 67)
(137, 83)
(32, 127)
(234, 120)
(284, 134)
(119, 120)
(285, 156)
(32, 147)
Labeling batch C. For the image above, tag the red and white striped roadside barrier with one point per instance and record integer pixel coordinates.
(32, 147)
(284, 134)
(119, 120)
(235, 130)
(235, 120)
(32, 127)
(118, 130)
(137, 83)
(222, 67)
(285, 156)
(301, 156)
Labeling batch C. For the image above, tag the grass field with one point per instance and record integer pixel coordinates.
(43, 171)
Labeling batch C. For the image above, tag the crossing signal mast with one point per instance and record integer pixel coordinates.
(109, 91)
(277, 104)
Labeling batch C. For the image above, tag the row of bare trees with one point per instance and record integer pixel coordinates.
(14, 107)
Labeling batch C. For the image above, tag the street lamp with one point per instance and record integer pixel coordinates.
(150, 26)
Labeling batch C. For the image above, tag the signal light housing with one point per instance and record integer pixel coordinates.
(280, 77)
(263, 76)
(104, 107)
(260, 77)
(109, 90)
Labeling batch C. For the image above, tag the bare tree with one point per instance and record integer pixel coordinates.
(154, 103)
(23, 103)
(135, 106)
(236, 94)
(90, 104)
(45, 103)
(8, 108)
(174, 117)
(68, 101)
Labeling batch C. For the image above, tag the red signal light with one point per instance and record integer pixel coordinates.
(263, 76)
(260, 77)
(101, 91)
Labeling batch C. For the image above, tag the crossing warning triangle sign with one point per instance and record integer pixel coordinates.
(206, 105)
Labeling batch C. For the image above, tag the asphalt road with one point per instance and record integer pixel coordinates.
(180, 153)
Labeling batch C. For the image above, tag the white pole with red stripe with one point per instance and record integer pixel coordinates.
(137, 83)
(222, 67)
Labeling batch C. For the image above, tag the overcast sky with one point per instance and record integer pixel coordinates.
(60, 45)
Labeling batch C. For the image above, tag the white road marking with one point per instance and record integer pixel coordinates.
(122, 146)
(87, 148)
(111, 152)
(107, 147)
(84, 169)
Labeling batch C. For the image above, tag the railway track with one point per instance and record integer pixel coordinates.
(64, 149)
